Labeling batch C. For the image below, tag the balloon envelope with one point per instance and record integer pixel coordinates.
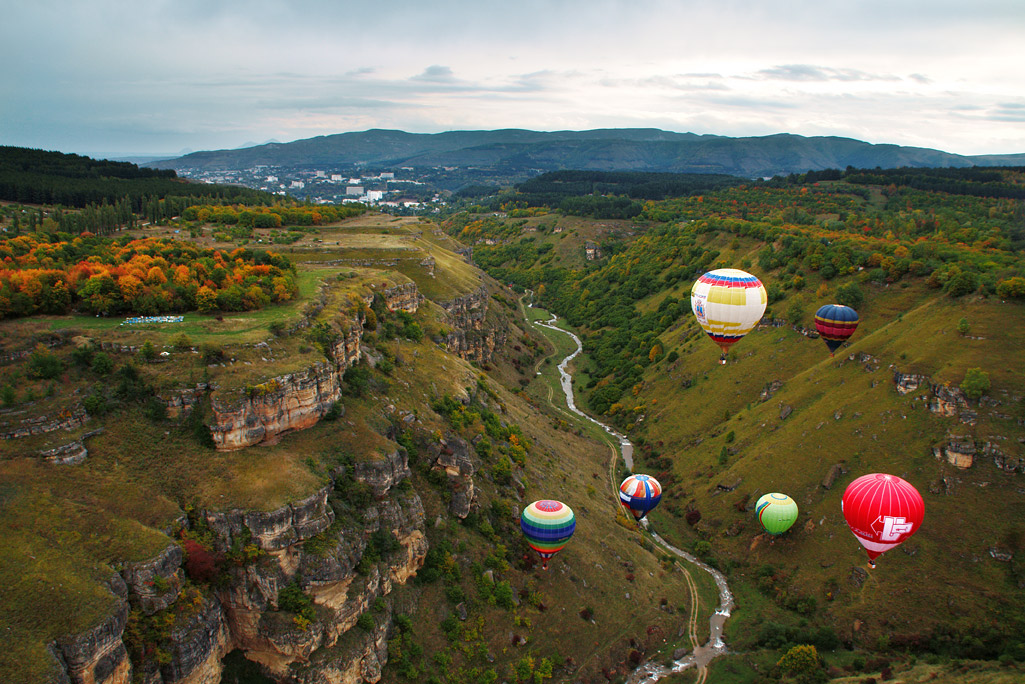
(728, 304)
(547, 525)
(639, 494)
(776, 512)
(882, 511)
(835, 323)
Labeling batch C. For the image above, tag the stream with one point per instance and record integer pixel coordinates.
(651, 672)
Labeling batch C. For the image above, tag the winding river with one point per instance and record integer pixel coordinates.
(651, 672)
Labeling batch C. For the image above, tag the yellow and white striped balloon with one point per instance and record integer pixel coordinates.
(728, 304)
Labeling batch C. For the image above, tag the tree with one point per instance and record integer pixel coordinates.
(962, 283)
(975, 383)
(799, 660)
(963, 326)
(850, 295)
(1012, 288)
(206, 300)
(148, 351)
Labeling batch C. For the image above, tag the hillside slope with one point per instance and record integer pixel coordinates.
(938, 280)
(520, 152)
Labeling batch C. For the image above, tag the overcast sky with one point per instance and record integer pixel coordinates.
(132, 77)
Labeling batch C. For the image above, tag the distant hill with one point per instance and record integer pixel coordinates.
(521, 152)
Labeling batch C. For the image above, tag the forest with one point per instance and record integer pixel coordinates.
(811, 232)
(152, 276)
(73, 181)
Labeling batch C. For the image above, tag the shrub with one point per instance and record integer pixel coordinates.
(799, 660)
(850, 295)
(975, 383)
(102, 363)
(43, 363)
(201, 564)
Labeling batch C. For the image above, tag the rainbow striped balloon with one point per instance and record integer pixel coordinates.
(776, 512)
(639, 494)
(728, 304)
(547, 525)
(835, 323)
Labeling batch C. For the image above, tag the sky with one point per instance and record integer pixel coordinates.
(115, 78)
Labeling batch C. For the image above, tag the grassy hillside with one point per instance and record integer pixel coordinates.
(67, 528)
(934, 276)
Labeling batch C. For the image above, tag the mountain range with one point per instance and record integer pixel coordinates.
(516, 152)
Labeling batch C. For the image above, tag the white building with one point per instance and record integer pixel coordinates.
(354, 190)
(387, 176)
(319, 174)
(375, 195)
(272, 179)
(298, 185)
(336, 177)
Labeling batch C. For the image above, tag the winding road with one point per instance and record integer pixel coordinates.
(700, 655)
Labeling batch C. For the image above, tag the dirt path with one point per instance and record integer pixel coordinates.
(700, 655)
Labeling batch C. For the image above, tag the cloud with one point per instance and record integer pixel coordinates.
(808, 72)
(436, 74)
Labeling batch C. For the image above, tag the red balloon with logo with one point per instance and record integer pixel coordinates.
(882, 511)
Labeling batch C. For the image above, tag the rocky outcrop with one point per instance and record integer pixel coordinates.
(290, 402)
(180, 402)
(98, 655)
(959, 452)
(951, 402)
(68, 419)
(909, 382)
(357, 658)
(459, 462)
(403, 297)
(383, 474)
(71, 453)
(199, 645)
(154, 584)
(273, 530)
(473, 337)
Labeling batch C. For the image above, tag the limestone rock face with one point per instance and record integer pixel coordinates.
(180, 402)
(142, 580)
(473, 336)
(357, 661)
(908, 382)
(277, 529)
(290, 402)
(951, 402)
(199, 646)
(959, 452)
(383, 474)
(98, 656)
(457, 459)
(403, 297)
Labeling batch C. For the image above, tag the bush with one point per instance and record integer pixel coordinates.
(102, 363)
(201, 564)
(975, 383)
(45, 364)
(850, 295)
(799, 660)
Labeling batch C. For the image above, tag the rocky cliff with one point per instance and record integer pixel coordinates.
(403, 297)
(245, 613)
(290, 402)
(473, 336)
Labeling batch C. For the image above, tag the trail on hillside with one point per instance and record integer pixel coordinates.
(700, 656)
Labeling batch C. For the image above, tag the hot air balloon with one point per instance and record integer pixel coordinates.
(547, 525)
(835, 323)
(882, 511)
(639, 494)
(728, 304)
(776, 512)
